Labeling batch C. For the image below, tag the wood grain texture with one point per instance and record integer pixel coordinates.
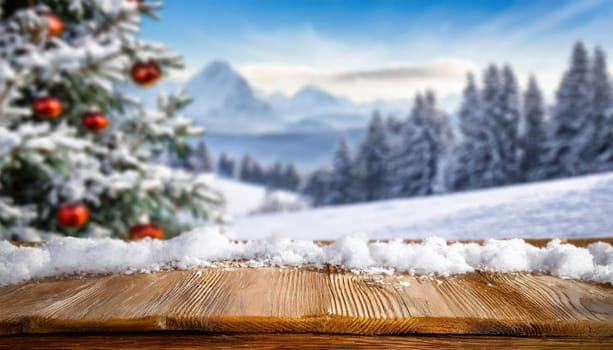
(193, 341)
(293, 300)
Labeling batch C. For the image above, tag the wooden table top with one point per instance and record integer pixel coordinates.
(272, 307)
(293, 300)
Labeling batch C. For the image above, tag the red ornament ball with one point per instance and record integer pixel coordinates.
(94, 121)
(47, 107)
(146, 73)
(55, 25)
(140, 231)
(72, 214)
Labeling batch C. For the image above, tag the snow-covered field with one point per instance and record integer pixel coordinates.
(243, 198)
(577, 207)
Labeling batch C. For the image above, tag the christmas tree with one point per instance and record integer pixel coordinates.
(77, 153)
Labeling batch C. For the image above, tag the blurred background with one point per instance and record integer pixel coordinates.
(337, 102)
(321, 118)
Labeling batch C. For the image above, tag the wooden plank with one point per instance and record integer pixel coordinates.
(193, 341)
(294, 300)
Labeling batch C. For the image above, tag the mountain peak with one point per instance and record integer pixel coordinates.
(219, 66)
(314, 95)
(217, 70)
(309, 90)
(224, 100)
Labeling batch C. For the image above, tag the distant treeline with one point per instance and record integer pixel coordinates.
(276, 175)
(504, 137)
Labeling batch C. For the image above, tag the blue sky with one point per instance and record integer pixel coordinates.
(380, 49)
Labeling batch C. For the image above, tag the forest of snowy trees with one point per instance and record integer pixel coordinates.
(504, 137)
(276, 176)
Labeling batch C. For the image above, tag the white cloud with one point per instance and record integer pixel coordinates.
(397, 81)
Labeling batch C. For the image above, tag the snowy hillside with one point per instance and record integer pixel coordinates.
(580, 206)
(243, 198)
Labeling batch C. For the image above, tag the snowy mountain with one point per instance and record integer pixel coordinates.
(311, 97)
(225, 102)
(576, 207)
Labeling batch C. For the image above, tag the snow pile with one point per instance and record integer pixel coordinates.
(209, 246)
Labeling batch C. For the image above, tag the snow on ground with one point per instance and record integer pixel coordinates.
(209, 246)
(581, 206)
(242, 198)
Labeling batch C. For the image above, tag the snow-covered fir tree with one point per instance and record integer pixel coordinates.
(470, 157)
(440, 122)
(605, 155)
(342, 180)
(535, 130)
(413, 164)
(248, 171)
(394, 125)
(274, 175)
(226, 166)
(602, 98)
(291, 178)
(371, 163)
(76, 154)
(489, 153)
(200, 159)
(317, 187)
(491, 114)
(445, 140)
(602, 104)
(505, 166)
(572, 127)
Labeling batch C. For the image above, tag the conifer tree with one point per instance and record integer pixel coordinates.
(317, 187)
(274, 176)
(534, 137)
(572, 127)
(394, 125)
(247, 172)
(76, 153)
(505, 165)
(342, 183)
(602, 98)
(291, 177)
(469, 160)
(371, 165)
(602, 146)
(200, 159)
(491, 114)
(414, 163)
(226, 165)
(440, 123)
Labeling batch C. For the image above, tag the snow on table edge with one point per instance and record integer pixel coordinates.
(210, 247)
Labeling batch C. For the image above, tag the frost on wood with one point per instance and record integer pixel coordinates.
(209, 246)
